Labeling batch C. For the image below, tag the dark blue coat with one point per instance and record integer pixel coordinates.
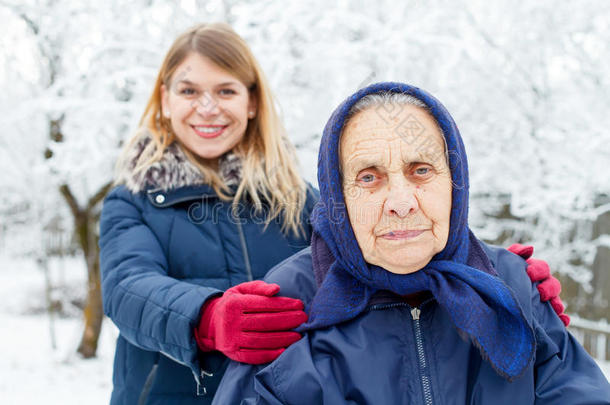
(396, 354)
(162, 255)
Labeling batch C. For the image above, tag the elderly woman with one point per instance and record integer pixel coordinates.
(405, 305)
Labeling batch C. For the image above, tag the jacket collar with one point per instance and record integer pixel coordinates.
(161, 198)
(174, 170)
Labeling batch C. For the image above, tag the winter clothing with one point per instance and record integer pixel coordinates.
(230, 167)
(394, 353)
(168, 244)
(480, 336)
(229, 323)
(459, 277)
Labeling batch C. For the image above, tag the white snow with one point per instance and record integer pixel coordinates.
(31, 371)
(533, 119)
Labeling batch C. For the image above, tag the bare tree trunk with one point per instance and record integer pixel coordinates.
(93, 308)
(85, 223)
(85, 218)
(93, 314)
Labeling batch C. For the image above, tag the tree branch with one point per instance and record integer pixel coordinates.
(65, 191)
(44, 49)
(99, 196)
(19, 11)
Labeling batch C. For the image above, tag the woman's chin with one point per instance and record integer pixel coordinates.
(405, 259)
(403, 270)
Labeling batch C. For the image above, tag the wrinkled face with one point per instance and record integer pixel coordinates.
(397, 187)
(208, 107)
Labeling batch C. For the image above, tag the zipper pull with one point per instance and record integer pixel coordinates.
(415, 313)
(201, 390)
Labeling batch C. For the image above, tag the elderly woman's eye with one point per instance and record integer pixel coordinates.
(366, 178)
(423, 171)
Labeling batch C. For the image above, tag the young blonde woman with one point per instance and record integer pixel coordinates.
(208, 199)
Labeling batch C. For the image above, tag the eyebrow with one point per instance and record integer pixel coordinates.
(190, 83)
(420, 157)
(363, 162)
(226, 83)
(187, 82)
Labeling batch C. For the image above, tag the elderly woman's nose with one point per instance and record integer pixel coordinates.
(401, 201)
(206, 105)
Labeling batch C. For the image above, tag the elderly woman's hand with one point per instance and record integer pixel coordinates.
(538, 270)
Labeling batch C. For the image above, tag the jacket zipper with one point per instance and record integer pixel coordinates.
(201, 390)
(148, 385)
(425, 380)
(244, 248)
(376, 307)
(198, 377)
(419, 342)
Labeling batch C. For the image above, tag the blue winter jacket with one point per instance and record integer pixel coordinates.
(163, 254)
(396, 354)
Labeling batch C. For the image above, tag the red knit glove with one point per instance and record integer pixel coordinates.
(549, 287)
(248, 324)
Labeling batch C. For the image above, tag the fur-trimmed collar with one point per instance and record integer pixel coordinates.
(174, 170)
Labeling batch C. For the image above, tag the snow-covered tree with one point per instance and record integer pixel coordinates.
(525, 82)
(90, 67)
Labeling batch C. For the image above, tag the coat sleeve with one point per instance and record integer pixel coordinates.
(564, 371)
(238, 387)
(291, 379)
(151, 309)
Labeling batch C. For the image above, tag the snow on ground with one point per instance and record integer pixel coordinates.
(31, 371)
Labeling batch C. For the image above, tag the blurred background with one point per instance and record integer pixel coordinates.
(526, 82)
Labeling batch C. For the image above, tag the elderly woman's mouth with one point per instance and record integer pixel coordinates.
(398, 235)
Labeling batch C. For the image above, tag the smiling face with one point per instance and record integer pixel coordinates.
(208, 107)
(397, 189)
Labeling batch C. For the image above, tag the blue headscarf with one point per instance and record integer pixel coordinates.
(460, 277)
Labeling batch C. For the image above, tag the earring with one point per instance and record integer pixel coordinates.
(166, 114)
(251, 114)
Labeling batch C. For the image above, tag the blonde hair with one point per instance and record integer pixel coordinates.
(269, 171)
